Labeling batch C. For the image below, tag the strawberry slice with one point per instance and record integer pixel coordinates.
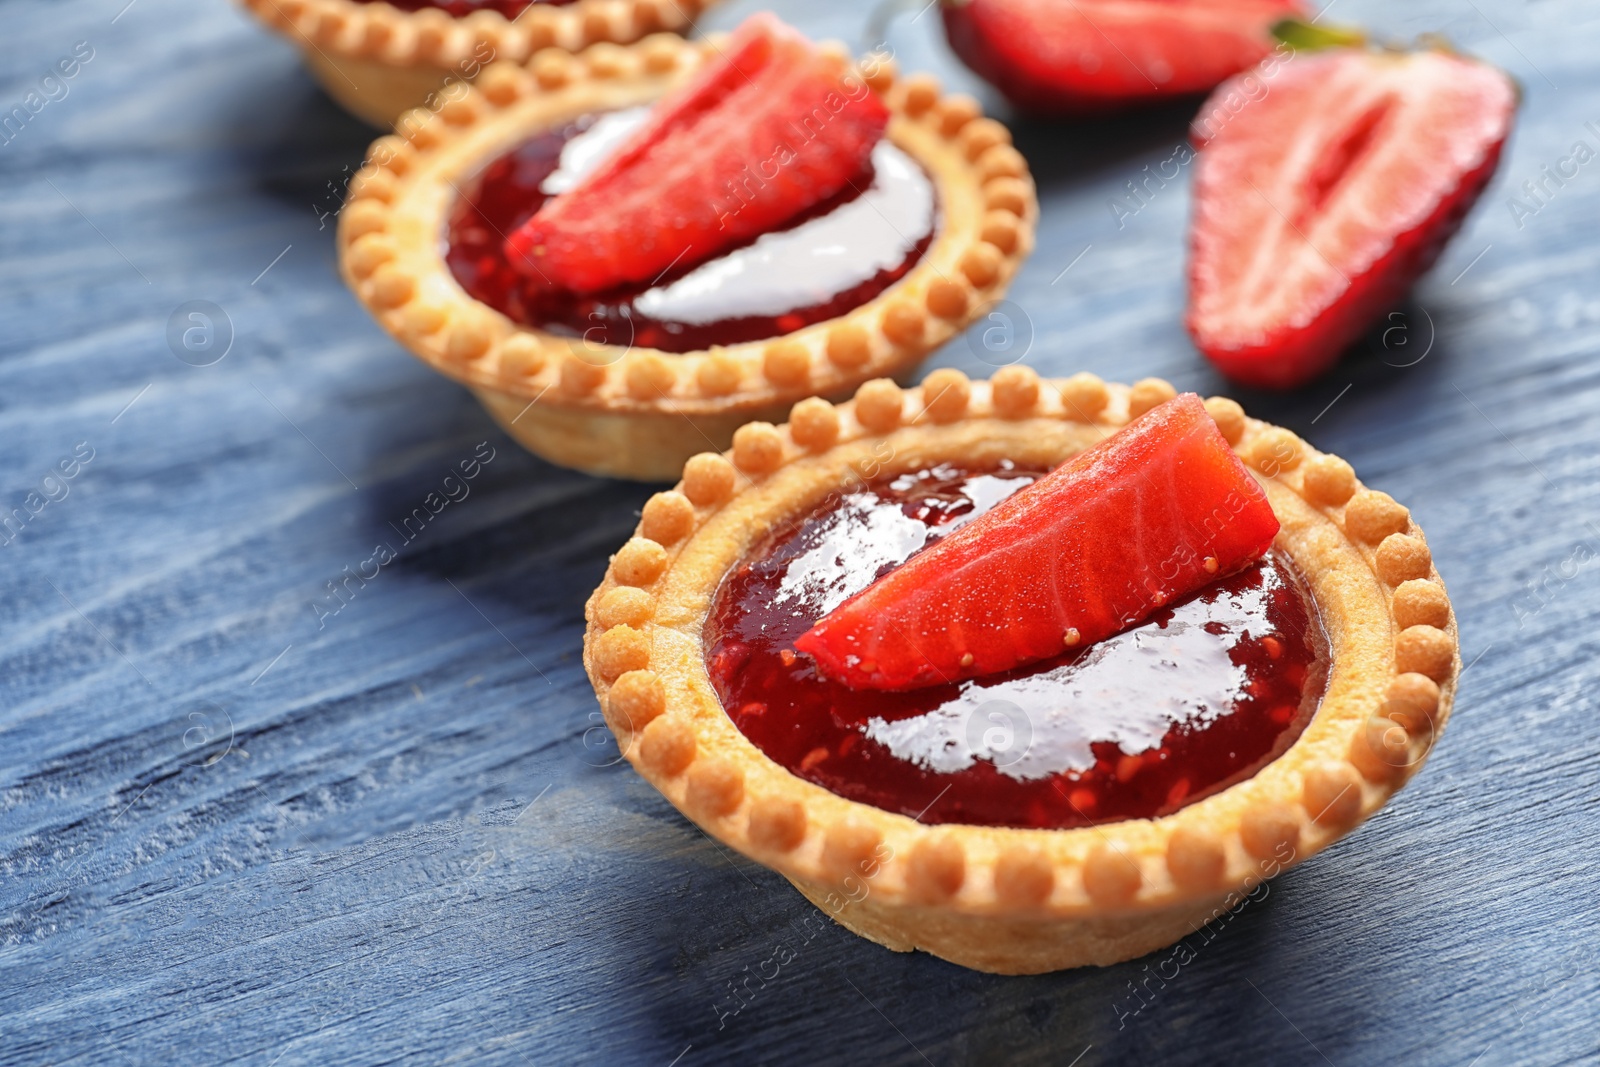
(1086, 56)
(1317, 205)
(1147, 516)
(769, 129)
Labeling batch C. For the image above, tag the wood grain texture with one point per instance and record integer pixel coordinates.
(231, 834)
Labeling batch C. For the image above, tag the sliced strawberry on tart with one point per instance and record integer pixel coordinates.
(684, 238)
(670, 196)
(1117, 532)
(1028, 674)
(1318, 205)
(1094, 56)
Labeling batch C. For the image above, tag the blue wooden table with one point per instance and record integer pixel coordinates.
(235, 827)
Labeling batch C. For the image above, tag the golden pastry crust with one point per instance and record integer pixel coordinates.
(636, 412)
(378, 61)
(1001, 899)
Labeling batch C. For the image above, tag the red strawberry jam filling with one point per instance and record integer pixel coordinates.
(1199, 696)
(836, 256)
(462, 8)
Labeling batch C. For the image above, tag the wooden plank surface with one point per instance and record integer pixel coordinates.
(231, 831)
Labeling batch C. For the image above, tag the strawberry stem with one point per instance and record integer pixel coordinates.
(1306, 37)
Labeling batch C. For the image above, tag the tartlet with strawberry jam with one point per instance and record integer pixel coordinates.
(378, 59)
(1027, 674)
(684, 237)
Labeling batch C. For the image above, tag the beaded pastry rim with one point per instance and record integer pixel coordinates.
(389, 246)
(432, 38)
(1391, 686)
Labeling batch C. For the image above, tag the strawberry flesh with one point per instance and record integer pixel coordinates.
(1318, 204)
(1087, 56)
(767, 130)
(1142, 519)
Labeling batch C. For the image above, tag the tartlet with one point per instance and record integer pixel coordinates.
(378, 60)
(998, 898)
(635, 412)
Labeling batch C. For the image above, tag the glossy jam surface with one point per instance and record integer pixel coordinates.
(834, 258)
(1192, 701)
(462, 8)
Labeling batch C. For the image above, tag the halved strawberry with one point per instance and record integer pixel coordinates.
(1317, 205)
(770, 128)
(1141, 519)
(1085, 56)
